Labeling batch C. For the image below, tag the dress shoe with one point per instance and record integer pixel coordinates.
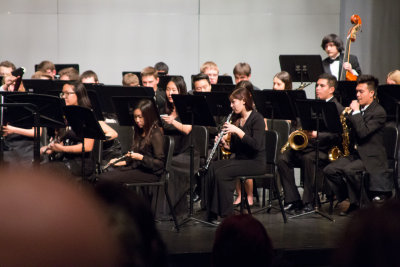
(296, 207)
(196, 197)
(351, 208)
(308, 207)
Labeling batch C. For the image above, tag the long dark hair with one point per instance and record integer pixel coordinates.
(81, 94)
(150, 123)
(242, 93)
(181, 86)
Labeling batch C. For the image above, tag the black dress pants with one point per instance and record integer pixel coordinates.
(306, 161)
(220, 182)
(343, 176)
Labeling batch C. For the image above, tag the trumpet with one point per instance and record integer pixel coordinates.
(297, 140)
(109, 164)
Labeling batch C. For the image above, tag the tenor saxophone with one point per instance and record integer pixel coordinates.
(335, 153)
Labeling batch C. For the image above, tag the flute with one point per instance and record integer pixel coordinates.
(109, 164)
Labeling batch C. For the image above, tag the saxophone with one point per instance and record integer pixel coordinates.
(335, 153)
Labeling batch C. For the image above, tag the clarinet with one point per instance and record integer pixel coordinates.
(127, 155)
(214, 149)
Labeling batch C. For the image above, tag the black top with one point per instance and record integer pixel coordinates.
(153, 153)
(252, 145)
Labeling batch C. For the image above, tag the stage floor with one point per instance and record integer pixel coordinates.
(304, 241)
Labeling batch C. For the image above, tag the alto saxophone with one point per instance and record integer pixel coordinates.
(335, 153)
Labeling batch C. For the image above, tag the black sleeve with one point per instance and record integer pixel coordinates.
(363, 127)
(255, 135)
(154, 160)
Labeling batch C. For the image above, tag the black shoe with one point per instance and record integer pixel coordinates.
(196, 197)
(351, 209)
(308, 207)
(296, 207)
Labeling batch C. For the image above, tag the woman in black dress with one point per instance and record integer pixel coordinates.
(247, 143)
(145, 161)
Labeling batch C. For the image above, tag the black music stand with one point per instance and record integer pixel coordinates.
(302, 68)
(193, 110)
(277, 104)
(318, 115)
(223, 87)
(32, 110)
(218, 102)
(124, 107)
(85, 125)
(225, 79)
(346, 92)
(106, 92)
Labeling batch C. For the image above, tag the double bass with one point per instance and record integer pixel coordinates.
(351, 37)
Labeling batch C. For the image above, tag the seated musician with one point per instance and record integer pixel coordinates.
(305, 158)
(66, 149)
(18, 141)
(145, 161)
(48, 67)
(248, 143)
(150, 79)
(333, 46)
(367, 121)
(242, 72)
(393, 77)
(211, 70)
(181, 134)
(282, 81)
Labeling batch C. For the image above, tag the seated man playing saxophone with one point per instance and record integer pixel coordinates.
(367, 121)
(304, 157)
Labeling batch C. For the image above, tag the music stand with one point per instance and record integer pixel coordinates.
(225, 79)
(124, 107)
(277, 104)
(223, 87)
(37, 111)
(346, 92)
(85, 125)
(38, 86)
(193, 110)
(218, 102)
(302, 68)
(106, 92)
(318, 115)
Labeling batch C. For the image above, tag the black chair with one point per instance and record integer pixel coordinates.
(282, 127)
(271, 146)
(391, 142)
(169, 145)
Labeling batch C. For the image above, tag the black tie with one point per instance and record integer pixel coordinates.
(330, 61)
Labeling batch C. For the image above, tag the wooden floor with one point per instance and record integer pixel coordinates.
(305, 241)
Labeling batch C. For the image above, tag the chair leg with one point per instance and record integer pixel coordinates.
(280, 200)
(243, 195)
(171, 209)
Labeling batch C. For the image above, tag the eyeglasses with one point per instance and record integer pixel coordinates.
(67, 94)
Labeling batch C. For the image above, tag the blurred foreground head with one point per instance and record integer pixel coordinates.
(48, 221)
(371, 238)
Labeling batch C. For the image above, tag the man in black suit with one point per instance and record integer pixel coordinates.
(305, 158)
(367, 122)
(333, 46)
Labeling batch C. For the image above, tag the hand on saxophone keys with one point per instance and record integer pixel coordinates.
(354, 105)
